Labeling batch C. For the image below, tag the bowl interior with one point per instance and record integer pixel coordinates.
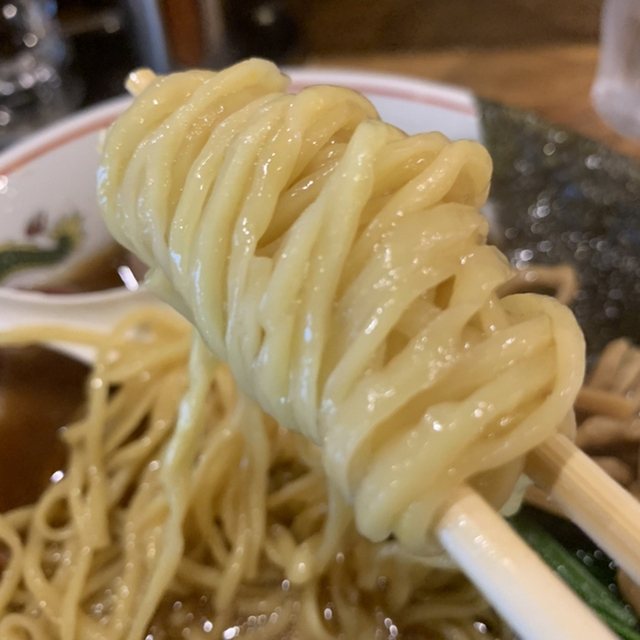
(560, 198)
(50, 217)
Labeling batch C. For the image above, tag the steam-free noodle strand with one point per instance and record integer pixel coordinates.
(183, 527)
(340, 268)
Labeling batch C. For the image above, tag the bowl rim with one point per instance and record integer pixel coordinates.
(61, 133)
(100, 116)
(373, 83)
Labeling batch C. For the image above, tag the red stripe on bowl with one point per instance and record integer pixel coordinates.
(421, 97)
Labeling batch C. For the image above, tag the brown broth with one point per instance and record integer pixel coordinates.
(96, 273)
(40, 391)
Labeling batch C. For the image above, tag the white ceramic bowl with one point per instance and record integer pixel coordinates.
(49, 219)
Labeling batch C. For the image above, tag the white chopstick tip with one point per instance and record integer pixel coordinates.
(138, 81)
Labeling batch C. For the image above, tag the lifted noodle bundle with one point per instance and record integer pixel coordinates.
(340, 268)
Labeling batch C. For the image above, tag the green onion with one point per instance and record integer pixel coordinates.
(624, 631)
(582, 582)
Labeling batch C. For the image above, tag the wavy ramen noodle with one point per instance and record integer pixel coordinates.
(184, 509)
(340, 268)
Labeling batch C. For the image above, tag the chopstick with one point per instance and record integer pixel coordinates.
(512, 577)
(591, 498)
(528, 595)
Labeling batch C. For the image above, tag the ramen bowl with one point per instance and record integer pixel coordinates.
(57, 259)
(50, 218)
(556, 198)
(50, 222)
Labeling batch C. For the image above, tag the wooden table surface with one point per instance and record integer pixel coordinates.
(553, 81)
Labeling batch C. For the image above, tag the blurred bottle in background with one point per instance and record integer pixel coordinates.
(174, 34)
(34, 88)
(616, 89)
(171, 34)
(49, 50)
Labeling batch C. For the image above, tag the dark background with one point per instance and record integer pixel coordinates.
(103, 46)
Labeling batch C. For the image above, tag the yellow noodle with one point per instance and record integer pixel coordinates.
(561, 278)
(205, 496)
(340, 268)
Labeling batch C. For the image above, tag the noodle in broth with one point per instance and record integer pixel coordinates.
(180, 490)
(322, 255)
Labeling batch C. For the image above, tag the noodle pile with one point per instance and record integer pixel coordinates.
(341, 269)
(335, 270)
(185, 512)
